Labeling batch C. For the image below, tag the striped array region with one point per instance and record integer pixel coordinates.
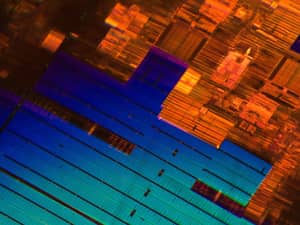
(111, 160)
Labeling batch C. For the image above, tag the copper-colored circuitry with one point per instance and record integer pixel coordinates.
(242, 83)
(241, 75)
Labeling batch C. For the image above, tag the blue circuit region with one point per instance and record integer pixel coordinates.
(53, 168)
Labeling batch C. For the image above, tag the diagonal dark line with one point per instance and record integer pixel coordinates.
(91, 175)
(33, 202)
(5, 171)
(11, 218)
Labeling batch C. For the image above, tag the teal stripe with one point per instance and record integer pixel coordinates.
(62, 193)
(27, 209)
(69, 144)
(43, 200)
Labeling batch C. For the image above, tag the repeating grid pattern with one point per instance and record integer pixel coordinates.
(61, 174)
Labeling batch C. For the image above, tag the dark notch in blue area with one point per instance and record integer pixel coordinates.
(8, 103)
(296, 45)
